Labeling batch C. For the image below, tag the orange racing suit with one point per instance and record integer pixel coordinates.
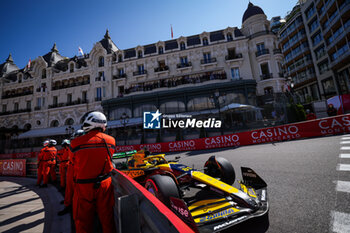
(68, 195)
(40, 166)
(49, 159)
(63, 156)
(93, 190)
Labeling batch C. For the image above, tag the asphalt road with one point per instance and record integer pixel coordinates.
(304, 178)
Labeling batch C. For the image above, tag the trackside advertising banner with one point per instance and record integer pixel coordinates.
(23, 155)
(314, 128)
(13, 167)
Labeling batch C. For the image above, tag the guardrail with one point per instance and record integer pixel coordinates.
(137, 210)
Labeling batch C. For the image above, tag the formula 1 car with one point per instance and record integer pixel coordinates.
(206, 201)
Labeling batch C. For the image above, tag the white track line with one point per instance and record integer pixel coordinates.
(341, 222)
(345, 142)
(343, 167)
(342, 186)
(344, 156)
(345, 148)
(345, 138)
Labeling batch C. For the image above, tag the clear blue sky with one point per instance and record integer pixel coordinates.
(30, 27)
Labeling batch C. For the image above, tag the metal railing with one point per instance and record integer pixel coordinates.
(262, 52)
(140, 72)
(209, 60)
(236, 56)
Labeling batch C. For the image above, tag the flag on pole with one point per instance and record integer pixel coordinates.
(172, 34)
(81, 51)
(28, 65)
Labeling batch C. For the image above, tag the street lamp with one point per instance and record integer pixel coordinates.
(217, 102)
(124, 119)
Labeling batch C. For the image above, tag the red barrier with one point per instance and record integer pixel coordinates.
(314, 128)
(13, 167)
(23, 155)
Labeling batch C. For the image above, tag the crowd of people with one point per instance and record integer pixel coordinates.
(174, 82)
(85, 165)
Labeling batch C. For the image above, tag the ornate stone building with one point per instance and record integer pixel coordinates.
(196, 73)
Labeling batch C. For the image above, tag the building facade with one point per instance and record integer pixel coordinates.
(315, 43)
(197, 73)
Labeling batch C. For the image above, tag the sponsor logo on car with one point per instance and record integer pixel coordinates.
(229, 223)
(217, 215)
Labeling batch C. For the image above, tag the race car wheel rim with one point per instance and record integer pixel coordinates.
(151, 187)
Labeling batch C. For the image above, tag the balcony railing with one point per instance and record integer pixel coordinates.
(17, 94)
(140, 72)
(37, 108)
(266, 76)
(207, 61)
(70, 85)
(159, 69)
(183, 65)
(15, 111)
(76, 102)
(277, 51)
(179, 81)
(119, 76)
(262, 52)
(232, 57)
(98, 98)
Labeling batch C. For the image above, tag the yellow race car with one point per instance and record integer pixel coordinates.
(206, 201)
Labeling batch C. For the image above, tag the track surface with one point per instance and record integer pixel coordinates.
(308, 182)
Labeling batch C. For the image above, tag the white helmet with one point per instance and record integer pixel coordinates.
(95, 120)
(65, 142)
(46, 143)
(77, 133)
(52, 142)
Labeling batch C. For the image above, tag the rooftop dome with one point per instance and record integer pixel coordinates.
(251, 11)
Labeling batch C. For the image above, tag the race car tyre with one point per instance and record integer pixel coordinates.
(220, 167)
(163, 187)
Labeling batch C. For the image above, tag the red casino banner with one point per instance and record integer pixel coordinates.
(23, 155)
(13, 167)
(313, 128)
(306, 129)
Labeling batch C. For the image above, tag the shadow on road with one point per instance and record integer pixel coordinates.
(256, 225)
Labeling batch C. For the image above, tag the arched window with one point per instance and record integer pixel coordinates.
(43, 73)
(101, 62)
(205, 41)
(120, 58)
(54, 123)
(182, 46)
(27, 127)
(139, 53)
(69, 121)
(160, 50)
(229, 36)
(71, 68)
(268, 90)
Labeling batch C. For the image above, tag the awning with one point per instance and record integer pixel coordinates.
(235, 106)
(130, 122)
(47, 132)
